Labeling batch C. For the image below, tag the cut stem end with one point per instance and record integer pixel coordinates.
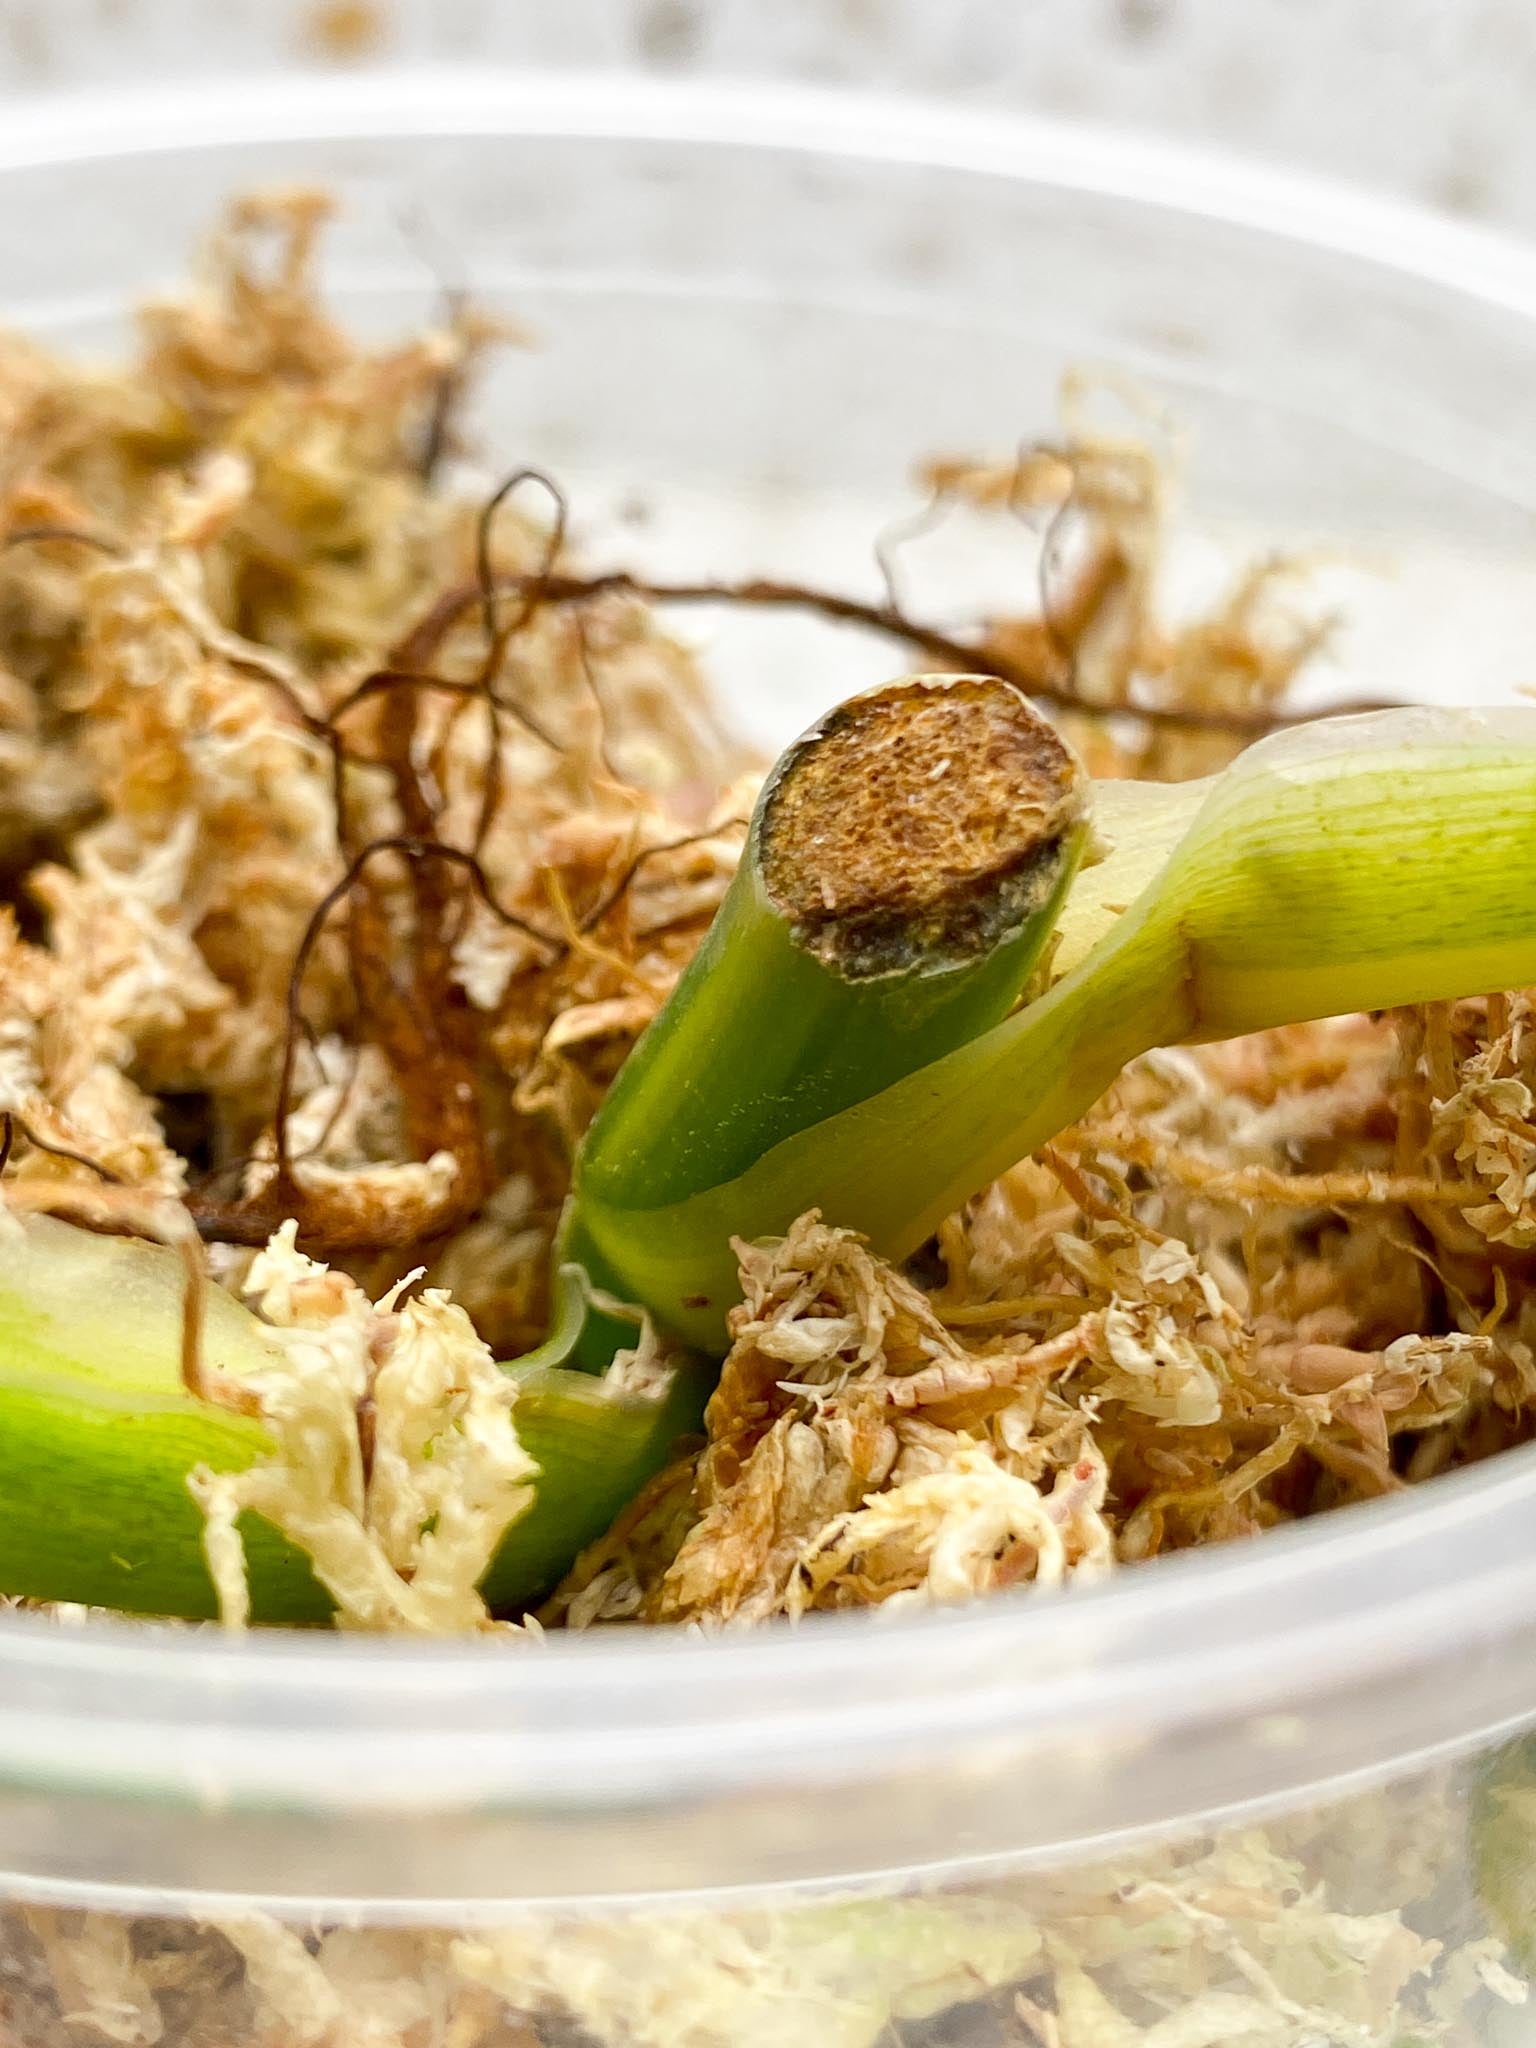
(918, 826)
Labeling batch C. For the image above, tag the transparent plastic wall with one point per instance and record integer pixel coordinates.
(1364, 1920)
(1274, 1796)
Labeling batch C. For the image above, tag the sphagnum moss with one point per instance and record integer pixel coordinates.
(837, 1042)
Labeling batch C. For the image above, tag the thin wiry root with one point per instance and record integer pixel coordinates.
(610, 900)
(13, 1123)
(1046, 677)
(252, 1223)
(411, 849)
(499, 635)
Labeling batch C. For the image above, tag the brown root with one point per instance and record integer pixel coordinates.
(13, 1124)
(439, 1088)
(1032, 661)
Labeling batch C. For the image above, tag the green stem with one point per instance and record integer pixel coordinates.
(1352, 865)
(902, 873)
(595, 1448)
(99, 1435)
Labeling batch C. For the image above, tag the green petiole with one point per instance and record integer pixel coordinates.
(595, 1446)
(902, 873)
(99, 1434)
(1350, 865)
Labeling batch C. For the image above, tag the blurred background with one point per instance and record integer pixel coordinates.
(1426, 98)
(769, 253)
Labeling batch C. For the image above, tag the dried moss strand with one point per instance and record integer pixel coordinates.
(33, 536)
(1266, 1184)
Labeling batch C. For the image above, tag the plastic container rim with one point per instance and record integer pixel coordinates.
(1248, 1630)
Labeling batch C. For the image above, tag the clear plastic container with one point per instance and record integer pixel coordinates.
(1278, 1780)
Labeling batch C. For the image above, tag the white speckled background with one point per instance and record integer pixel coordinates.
(1428, 98)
